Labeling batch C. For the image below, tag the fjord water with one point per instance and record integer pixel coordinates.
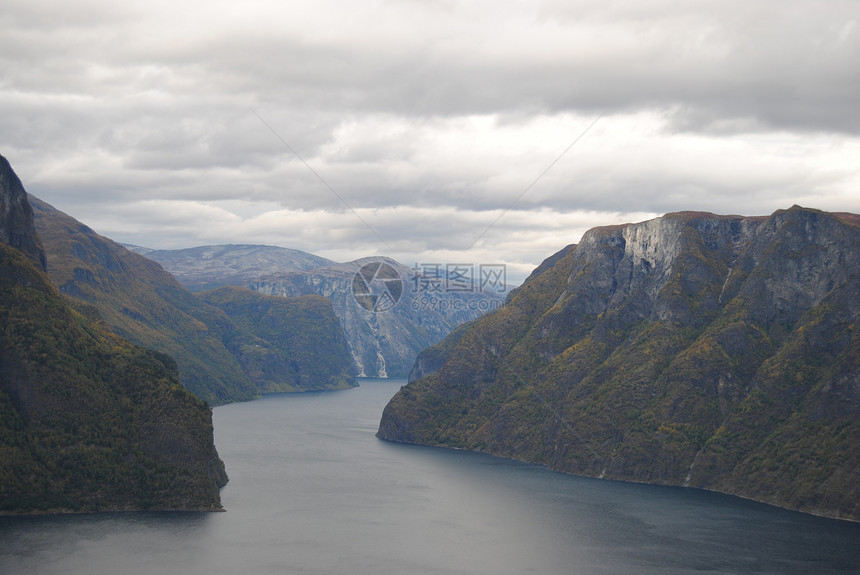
(312, 491)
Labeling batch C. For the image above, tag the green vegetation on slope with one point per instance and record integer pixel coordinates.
(715, 352)
(285, 343)
(141, 302)
(89, 422)
(229, 344)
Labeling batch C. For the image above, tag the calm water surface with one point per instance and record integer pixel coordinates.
(313, 491)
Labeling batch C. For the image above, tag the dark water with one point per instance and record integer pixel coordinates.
(313, 491)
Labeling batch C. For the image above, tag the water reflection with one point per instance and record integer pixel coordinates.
(74, 543)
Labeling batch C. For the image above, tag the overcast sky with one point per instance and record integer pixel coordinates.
(432, 131)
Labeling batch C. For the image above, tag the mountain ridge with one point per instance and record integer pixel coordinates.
(718, 352)
(207, 267)
(88, 421)
(219, 360)
(383, 343)
(142, 302)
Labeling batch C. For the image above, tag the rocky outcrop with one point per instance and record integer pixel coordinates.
(718, 352)
(88, 421)
(384, 341)
(16, 216)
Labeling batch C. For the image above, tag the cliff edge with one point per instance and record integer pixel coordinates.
(88, 421)
(720, 352)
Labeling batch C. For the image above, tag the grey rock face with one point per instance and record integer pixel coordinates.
(709, 351)
(16, 216)
(384, 343)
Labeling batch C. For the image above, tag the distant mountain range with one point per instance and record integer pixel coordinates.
(382, 343)
(385, 342)
(720, 352)
(208, 267)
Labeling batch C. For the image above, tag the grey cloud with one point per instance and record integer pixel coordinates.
(781, 65)
(102, 104)
(760, 65)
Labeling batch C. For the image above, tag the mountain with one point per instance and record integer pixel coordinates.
(285, 344)
(386, 310)
(208, 267)
(88, 421)
(719, 352)
(381, 344)
(222, 357)
(141, 302)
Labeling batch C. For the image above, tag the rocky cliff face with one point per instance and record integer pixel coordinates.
(719, 352)
(88, 422)
(16, 216)
(385, 342)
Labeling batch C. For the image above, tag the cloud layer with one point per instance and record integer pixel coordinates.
(424, 129)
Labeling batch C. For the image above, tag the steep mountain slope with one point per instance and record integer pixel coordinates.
(140, 301)
(285, 344)
(88, 422)
(208, 267)
(718, 352)
(16, 216)
(222, 357)
(385, 342)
